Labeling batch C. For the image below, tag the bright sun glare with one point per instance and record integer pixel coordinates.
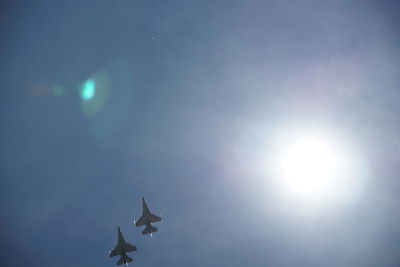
(313, 168)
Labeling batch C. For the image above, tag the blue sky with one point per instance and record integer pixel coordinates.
(186, 91)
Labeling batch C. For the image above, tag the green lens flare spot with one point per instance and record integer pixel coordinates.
(88, 90)
(58, 90)
(94, 92)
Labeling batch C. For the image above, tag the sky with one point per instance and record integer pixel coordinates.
(106, 102)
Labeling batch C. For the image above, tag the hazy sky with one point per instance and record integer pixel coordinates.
(188, 93)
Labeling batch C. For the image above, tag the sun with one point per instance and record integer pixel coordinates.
(312, 168)
(306, 166)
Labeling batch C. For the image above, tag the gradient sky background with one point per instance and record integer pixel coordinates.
(190, 91)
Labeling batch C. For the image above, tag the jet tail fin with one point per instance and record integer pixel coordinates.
(146, 230)
(124, 260)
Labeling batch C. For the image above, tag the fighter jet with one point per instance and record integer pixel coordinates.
(122, 248)
(147, 219)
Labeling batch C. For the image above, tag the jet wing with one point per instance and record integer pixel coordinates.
(141, 221)
(115, 252)
(129, 247)
(154, 218)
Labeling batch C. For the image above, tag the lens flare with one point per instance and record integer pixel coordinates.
(58, 90)
(88, 90)
(94, 93)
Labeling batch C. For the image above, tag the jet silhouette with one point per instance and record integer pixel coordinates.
(147, 219)
(122, 248)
